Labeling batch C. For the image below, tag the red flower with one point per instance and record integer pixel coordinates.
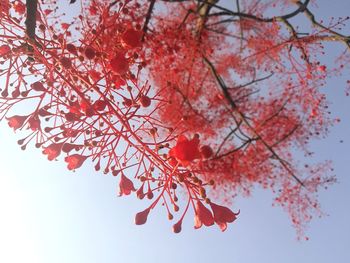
(132, 37)
(16, 121)
(53, 150)
(223, 215)
(86, 107)
(139, 193)
(34, 123)
(119, 64)
(94, 75)
(89, 53)
(4, 49)
(141, 217)
(67, 147)
(38, 86)
(185, 151)
(4, 7)
(202, 216)
(206, 151)
(75, 161)
(145, 101)
(125, 185)
(177, 227)
(118, 82)
(100, 105)
(93, 10)
(172, 161)
(66, 62)
(72, 49)
(65, 26)
(19, 7)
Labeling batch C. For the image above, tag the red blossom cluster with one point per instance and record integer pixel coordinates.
(202, 99)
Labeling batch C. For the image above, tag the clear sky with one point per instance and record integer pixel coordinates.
(51, 215)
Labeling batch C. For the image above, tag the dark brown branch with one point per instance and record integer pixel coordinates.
(247, 142)
(224, 89)
(113, 3)
(287, 135)
(190, 11)
(203, 12)
(31, 18)
(336, 36)
(302, 7)
(283, 106)
(223, 33)
(188, 103)
(175, 1)
(226, 138)
(148, 18)
(253, 81)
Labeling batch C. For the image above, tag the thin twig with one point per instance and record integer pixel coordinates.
(148, 18)
(223, 87)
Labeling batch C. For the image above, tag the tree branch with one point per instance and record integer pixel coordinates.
(148, 18)
(31, 18)
(223, 87)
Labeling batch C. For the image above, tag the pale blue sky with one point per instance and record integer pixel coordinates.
(51, 215)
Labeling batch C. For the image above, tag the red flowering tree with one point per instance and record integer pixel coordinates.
(201, 99)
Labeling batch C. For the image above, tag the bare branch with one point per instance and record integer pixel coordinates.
(31, 18)
(246, 122)
(148, 18)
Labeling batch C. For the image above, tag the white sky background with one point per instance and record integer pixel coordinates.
(49, 214)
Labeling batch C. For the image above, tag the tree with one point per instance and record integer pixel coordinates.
(176, 97)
